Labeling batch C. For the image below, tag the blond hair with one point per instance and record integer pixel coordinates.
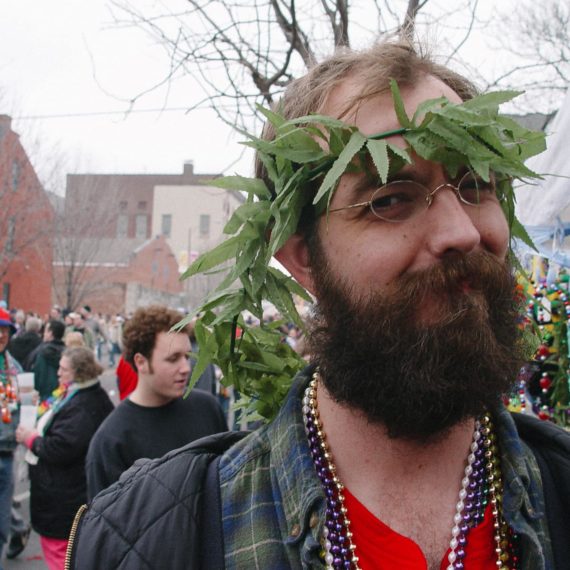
(74, 338)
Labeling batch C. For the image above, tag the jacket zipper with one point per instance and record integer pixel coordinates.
(73, 532)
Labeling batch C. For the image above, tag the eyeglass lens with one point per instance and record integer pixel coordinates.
(403, 199)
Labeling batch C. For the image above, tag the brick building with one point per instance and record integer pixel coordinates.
(26, 222)
(116, 275)
(122, 202)
(183, 208)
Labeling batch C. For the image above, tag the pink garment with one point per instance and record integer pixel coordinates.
(54, 552)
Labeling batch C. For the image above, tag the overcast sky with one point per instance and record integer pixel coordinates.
(67, 58)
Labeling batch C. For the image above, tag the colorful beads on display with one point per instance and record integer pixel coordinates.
(481, 485)
(543, 387)
(8, 390)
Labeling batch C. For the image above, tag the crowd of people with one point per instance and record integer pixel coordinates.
(80, 443)
(393, 448)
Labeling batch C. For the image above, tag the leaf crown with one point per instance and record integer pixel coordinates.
(304, 163)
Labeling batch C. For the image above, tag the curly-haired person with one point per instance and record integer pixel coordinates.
(155, 418)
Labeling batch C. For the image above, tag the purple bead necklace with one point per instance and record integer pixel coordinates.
(482, 483)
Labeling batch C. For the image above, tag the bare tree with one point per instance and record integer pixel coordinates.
(535, 39)
(25, 215)
(26, 230)
(84, 256)
(245, 53)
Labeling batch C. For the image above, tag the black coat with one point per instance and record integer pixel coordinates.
(58, 481)
(23, 345)
(134, 523)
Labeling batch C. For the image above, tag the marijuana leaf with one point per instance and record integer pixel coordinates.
(304, 163)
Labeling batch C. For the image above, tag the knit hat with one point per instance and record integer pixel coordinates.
(6, 321)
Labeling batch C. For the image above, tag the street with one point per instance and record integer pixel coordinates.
(32, 558)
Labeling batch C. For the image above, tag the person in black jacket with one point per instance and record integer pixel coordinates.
(44, 361)
(23, 345)
(57, 448)
(155, 418)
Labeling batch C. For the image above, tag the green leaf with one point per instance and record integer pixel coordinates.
(286, 226)
(356, 142)
(232, 307)
(292, 285)
(403, 118)
(425, 144)
(296, 155)
(400, 152)
(337, 140)
(254, 366)
(258, 271)
(254, 186)
(269, 164)
(322, 120)
(379, 152)
(281, 298)
(224, 251)
(246, 256)
(519, 231)
(490, 100)
(463, 115)
(426, 107)
(251, 211)
(458, 138)
(274, 118)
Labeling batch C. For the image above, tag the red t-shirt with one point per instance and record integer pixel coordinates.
(127, 378)
(378, 547)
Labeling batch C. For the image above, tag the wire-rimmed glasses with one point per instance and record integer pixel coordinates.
(401, 200)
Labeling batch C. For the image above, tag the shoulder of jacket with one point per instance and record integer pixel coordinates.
(545, 435)
(149, 490)
(177, 472)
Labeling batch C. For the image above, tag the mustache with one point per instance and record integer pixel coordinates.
(450, 279)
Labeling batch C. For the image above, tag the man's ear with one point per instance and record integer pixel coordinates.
(294, 256)
(141, 363)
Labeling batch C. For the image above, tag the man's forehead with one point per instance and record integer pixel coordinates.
(376, 113)
(172, 341)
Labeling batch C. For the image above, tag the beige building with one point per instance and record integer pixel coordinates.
(192, 218)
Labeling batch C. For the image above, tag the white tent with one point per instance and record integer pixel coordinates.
(543, 204)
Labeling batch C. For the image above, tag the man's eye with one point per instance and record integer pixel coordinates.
(474, 189)
(390, 200)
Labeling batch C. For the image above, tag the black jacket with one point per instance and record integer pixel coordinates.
(44, 362)
(58, 482)
(23, 345)
(157, 502)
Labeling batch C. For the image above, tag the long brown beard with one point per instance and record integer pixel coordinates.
(418, 380)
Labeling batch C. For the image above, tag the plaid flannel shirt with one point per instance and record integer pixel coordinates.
(273, 504)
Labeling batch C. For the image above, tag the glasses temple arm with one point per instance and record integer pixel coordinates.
(361, 205)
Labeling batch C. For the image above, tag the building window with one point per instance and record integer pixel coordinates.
(15, 175)
(122, 225)
(140, 228)
(123, 205)
(142, 205)
(166, 224)
(204, 225)
(11, 234)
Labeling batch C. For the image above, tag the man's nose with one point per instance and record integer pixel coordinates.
(451, 227)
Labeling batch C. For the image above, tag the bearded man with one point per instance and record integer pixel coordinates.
(393, 450)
